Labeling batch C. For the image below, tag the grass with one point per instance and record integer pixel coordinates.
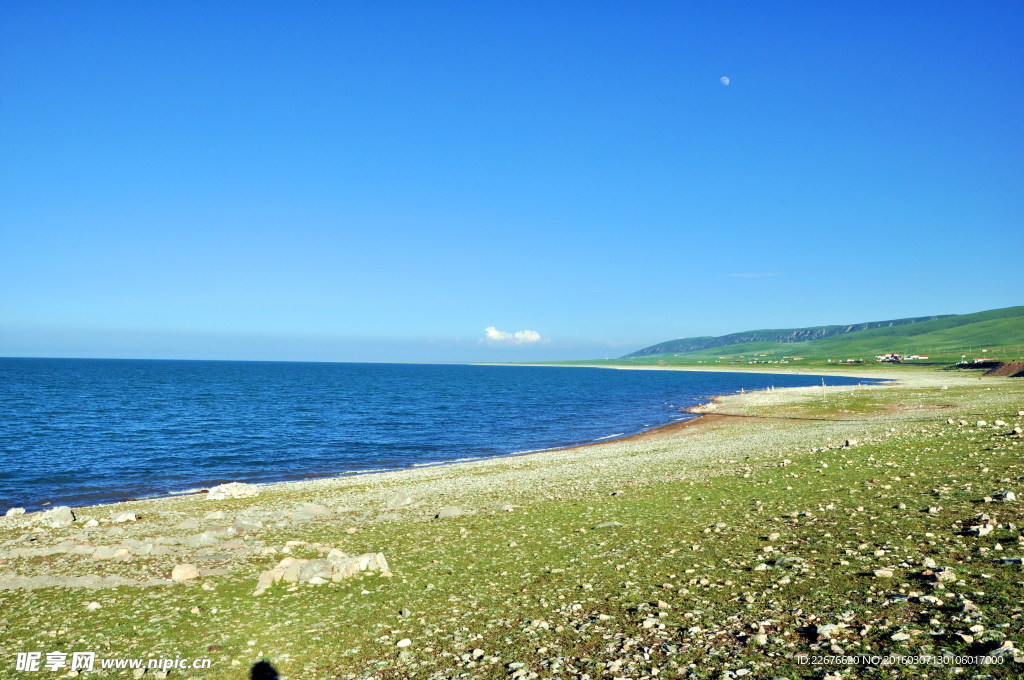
(675, 590)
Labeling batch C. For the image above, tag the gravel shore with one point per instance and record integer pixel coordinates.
(454, 570)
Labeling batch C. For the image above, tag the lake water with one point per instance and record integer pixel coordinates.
(81, 431)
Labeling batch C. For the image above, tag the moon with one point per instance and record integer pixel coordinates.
(724, 80)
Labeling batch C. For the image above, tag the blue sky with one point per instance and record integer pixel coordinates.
(385, 181)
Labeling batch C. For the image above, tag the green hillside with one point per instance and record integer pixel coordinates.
(997, 333)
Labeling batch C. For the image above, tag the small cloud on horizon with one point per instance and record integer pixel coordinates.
(753, 275)
(492, 336)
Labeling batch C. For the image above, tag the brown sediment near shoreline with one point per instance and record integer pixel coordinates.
(668, 431)
(704, 418)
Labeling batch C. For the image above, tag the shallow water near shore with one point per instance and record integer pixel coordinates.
(82, 431)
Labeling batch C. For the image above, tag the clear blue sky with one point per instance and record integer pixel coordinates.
(384, 181)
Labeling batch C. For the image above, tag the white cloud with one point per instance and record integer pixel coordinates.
(493, 336)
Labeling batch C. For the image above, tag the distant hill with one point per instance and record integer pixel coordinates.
(944, 334)
(771, 335)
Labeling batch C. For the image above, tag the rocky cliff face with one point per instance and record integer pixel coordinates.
(774, 335)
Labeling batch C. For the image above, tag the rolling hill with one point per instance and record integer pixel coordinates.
(944, 338)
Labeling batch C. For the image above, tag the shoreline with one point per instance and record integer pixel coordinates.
(698, 418)
(707, 421)
(705, 418)
(693, 421)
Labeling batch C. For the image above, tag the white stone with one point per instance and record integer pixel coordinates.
(398, 500)
(233, 490)
(827, 630)
(61, 516)
(184, 572)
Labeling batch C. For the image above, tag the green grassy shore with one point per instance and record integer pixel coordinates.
(749, 544)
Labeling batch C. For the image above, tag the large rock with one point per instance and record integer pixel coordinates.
(335, 567)
(61, 516)
(450, 511)
(119, 517)
(314, 568)
(233, 490)
(11, 512)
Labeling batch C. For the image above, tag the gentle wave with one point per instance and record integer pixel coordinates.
(94, 431)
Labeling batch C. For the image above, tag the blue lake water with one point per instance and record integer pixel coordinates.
(81, 431)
